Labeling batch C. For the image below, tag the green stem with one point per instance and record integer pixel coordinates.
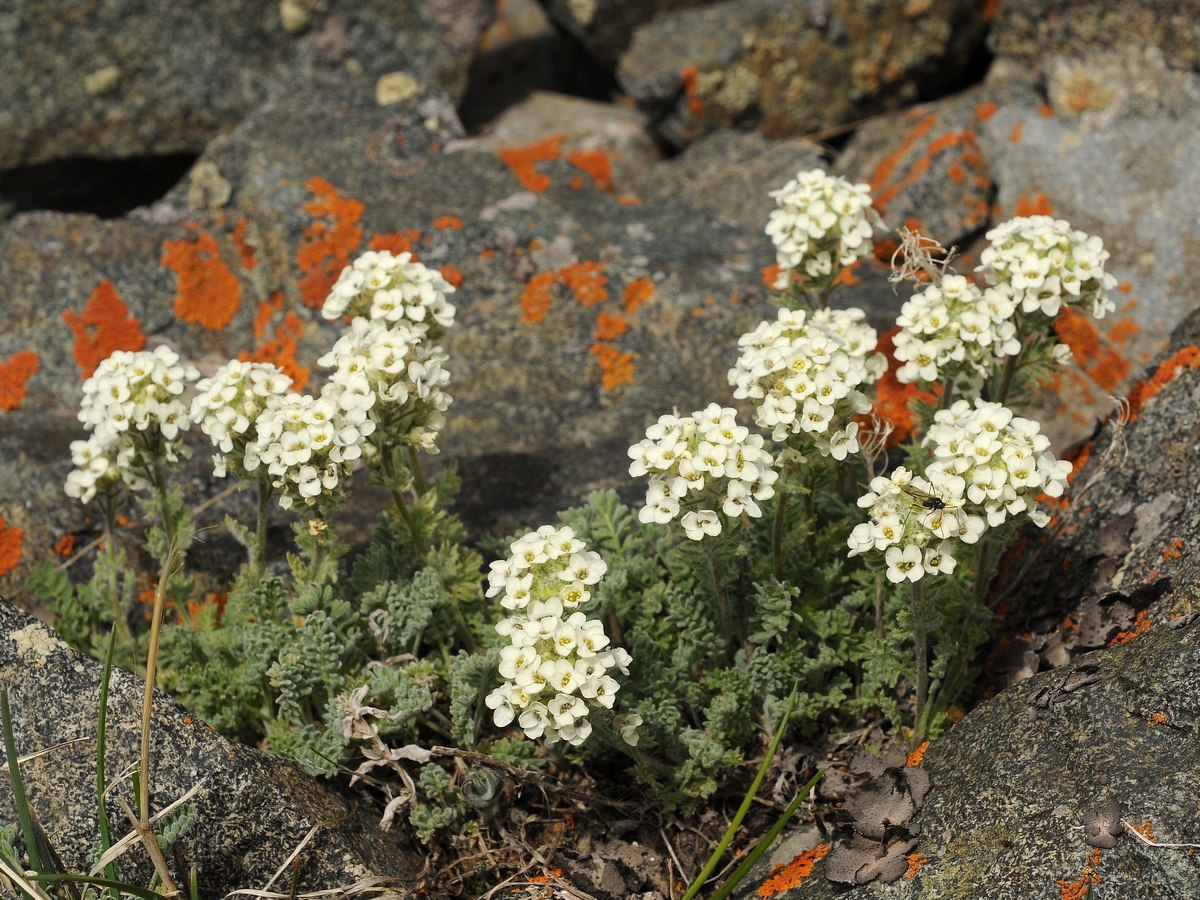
(389, 472)
(120, 622)
(777, 536)
(1010, 369)
(921, 660)
(724, 612)
(265, 490)
(414, 465)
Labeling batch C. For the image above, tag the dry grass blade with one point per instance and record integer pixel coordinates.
(117, 849)
(18, 879)
(375, 885)
(287, 862)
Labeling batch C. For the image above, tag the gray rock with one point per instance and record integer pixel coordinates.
(1031, 30)
(1029, 785)
(140, 77)
(729, 174)
(793, 68)
(604, 27)
(251, 810)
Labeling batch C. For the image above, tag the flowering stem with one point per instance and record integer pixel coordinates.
(389, 471)
(1010, 369)
(777, 536)
(921, 659)
(723, 610)
(114, 588)
(414, 465)
(260, 544)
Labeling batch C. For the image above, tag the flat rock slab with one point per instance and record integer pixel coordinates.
(252, 809)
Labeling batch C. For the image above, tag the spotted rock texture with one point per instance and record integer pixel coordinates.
(132, 77)
(252, 809)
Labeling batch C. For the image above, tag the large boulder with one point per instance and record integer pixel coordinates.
(138, 77)
(249, 812)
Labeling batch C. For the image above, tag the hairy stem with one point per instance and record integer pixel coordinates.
(389, 472)
(114, 587)
(414, 465)
(260, 544)
(921, 662)
(777, 536)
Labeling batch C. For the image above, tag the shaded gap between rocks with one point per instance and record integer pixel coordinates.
(108, 188)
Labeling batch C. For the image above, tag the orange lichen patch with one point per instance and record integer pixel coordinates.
(537, 297)
(576, 182)
(1018, 127)
(65, 545)
(249, 260)
(448, 223)
(691, 88)
(587, 280)
(885, 249)
(208, 293)
(788, 875)
(12, 540)
(1045, 111)
(1153, 720)
(1079, 459)
(915, 861)
(1146, 830)
(990, 8)
(328, 242)
(1037, 205)
(521, 161)
(1173, 550)
(892, 397)
(104, 328)
(629, 200)
(638, 293)
(1122, 330)
(1103, 364)
(770, 274)
(1070, 625)
(597, 164)
(847, 277)
(397, 242)
(1141, 624)
(452, 274)
(14, 372)
(280, 350)
(487, 254)
(985, 110)
(616, 367)
(1077, 890)
(883, 172)
(610, 326)
(1188, 357)
(956, 173)
(914, 758)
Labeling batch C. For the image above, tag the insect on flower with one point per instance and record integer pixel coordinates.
(928, 502)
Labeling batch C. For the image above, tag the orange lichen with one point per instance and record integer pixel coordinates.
(1045, 111)
(487, 253)
(637, 293)
(587, 280)
(328, 242)
(14, 372)
(280, 350)
(985, 110)
(208, 293)
(1103, 364)
(1122, 330)
(892, 397)
(1188, 357)
(12, 540)
(915, 861)
(577, 182)
(1141, 624)
(1077, 890)
(1037, 205)
(451, 223)
(846, 276)
(1173, 550)
(65, 545)
(397, 242)
(629, 200)
(616, 368)
(1018, 127)
(770, 274)
(452, 274)
(597, 164)
(914, 758)
(537, 297)
(610, 326)
(249, 259)
(789, 875)
(883, 171)
(521, 161)
(691, 88)
(1153, 720)
(104, 328)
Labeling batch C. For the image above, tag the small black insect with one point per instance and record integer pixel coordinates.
(928, 501)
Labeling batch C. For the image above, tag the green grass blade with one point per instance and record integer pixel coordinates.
(110, 871)
(18, 788)
(769, 838)
(727, 838)
(120, 886)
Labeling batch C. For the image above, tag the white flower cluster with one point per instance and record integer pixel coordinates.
(1003, 459)
(1047, 264)
(395, 289)
(133, 406)
(306, 445)
(557, 663)
(915, 523)
(391, 375)
(699, 462)
(229, 403)
(822, 221)
(803, 373)
(955, 329)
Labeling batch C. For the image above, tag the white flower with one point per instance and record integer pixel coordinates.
(628, 726)
(228, 403)
(903, 562)
(549, 652)
(1048, 264)
(392, 289)
(821, 220)
(698, 463)
(803, 372)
